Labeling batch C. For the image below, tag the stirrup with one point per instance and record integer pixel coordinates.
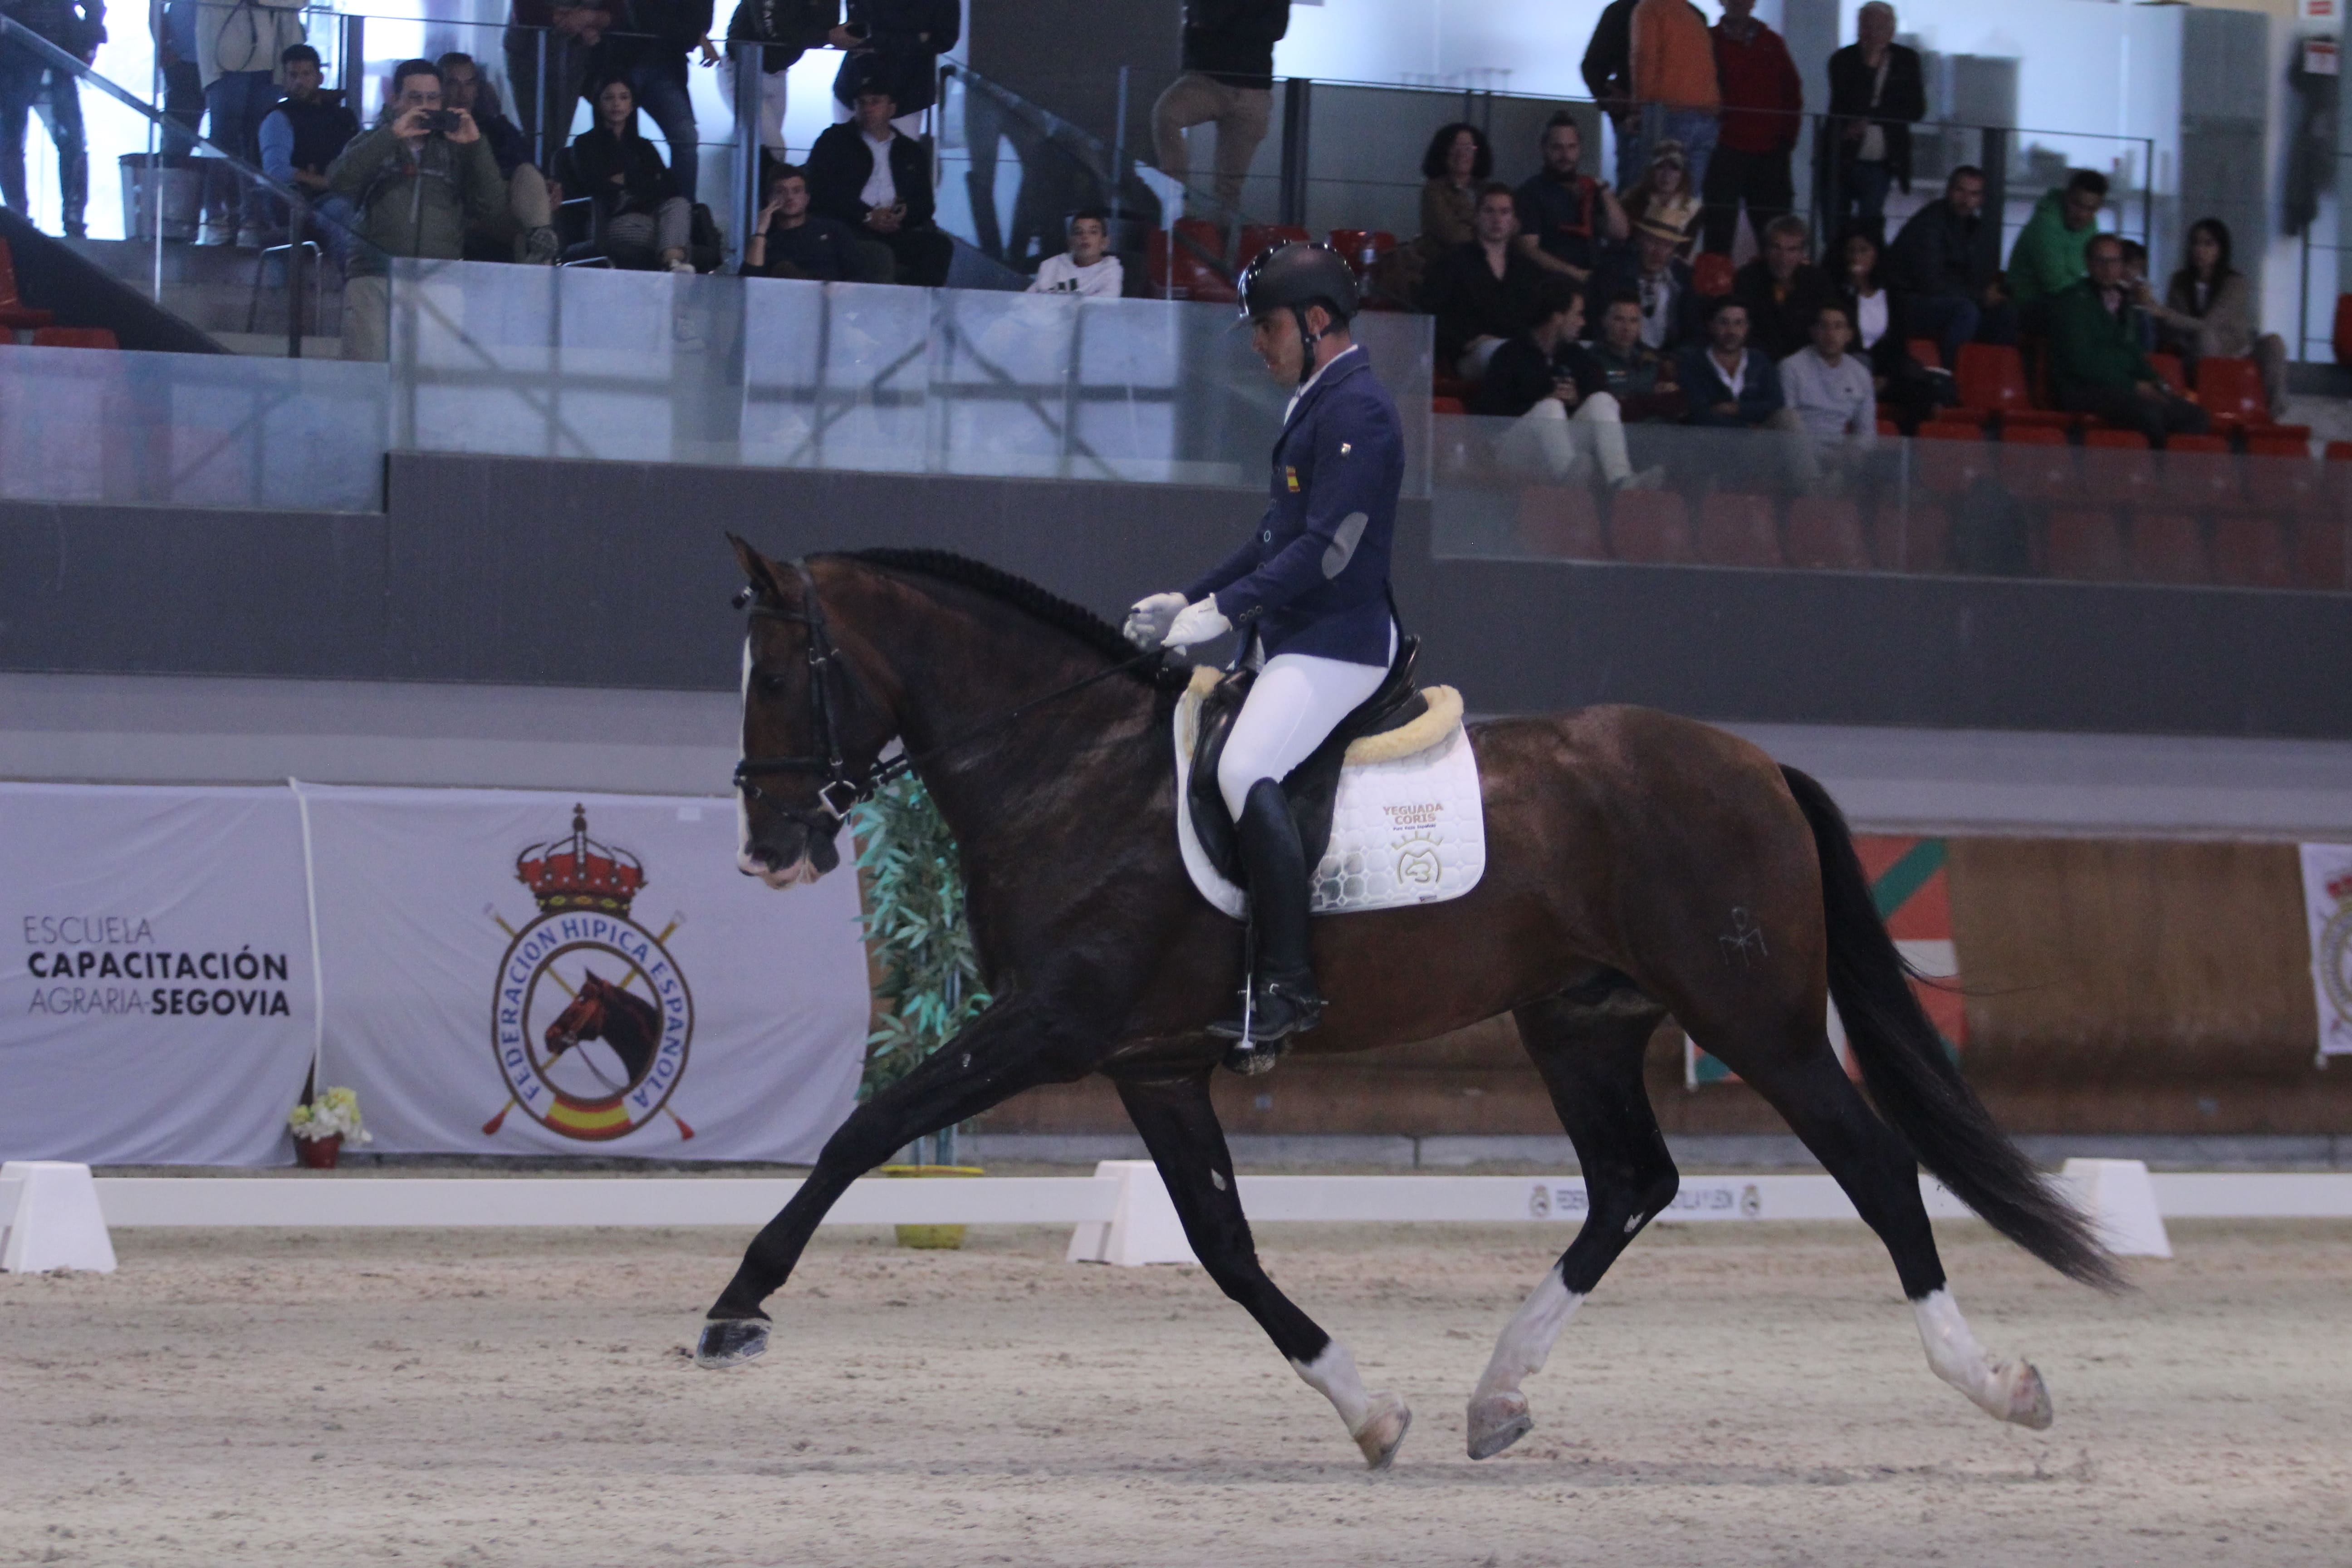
(1272, 1011)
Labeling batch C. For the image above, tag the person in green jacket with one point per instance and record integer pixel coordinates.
(2047, 256)
(2096, 358)
(418, 179)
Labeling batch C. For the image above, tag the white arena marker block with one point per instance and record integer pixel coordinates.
(51, 1210)
(1143, 1226)
(2119, 1197)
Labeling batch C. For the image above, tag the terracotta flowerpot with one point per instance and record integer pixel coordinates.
(319, 1153)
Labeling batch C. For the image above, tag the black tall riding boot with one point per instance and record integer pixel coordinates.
(1283, 997)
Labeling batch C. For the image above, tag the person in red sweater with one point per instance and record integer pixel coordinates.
(1763, 106)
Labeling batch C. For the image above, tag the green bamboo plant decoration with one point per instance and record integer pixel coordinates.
(915, 924)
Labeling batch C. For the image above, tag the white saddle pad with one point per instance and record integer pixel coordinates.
(1407, 827)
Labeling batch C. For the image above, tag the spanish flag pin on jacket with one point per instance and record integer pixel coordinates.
(1290, 477)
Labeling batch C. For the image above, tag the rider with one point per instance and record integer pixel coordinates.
(1309, 590)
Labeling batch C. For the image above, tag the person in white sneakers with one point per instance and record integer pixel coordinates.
(1086, 267)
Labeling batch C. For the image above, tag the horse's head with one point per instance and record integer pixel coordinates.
(813, 727)
(582, 1020)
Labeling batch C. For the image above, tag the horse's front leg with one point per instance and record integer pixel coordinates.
(1020, 1042)
(1180, 1128)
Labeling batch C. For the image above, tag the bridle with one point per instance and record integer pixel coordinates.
(844, 785)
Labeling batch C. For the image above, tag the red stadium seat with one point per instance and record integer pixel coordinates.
(1926, 352)
(14, 311)
(2281, 476)
(1991, 380)
(2035, 462)
(2127, 440)
(74, 338)
(1950, 457)
(1651, 526)
(2231, 390)
(1448, 405)
(2343, 336)
(2168, 367)
(2250, 551)
(2319, 553)
(1825, 534)
(2116, 466)
(2167, 547)
(1711, 274)
(2086, 545)
(1257, 238)
(1917, 538)
(1560, 523)
(1363, 248)
(2198, 470)
(1887, 428)
(1187, 268)
(1738, 531)
(2337, 451)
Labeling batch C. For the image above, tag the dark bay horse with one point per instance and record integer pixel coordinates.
(630, 1024)
(1638, 865)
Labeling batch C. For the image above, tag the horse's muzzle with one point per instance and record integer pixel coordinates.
(784, 854)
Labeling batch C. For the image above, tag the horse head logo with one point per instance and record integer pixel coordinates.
(630, 1025)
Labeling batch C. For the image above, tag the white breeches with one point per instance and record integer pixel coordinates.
(1297, 702)
(1549, 437)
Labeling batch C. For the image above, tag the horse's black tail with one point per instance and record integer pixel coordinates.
(1913, 1081)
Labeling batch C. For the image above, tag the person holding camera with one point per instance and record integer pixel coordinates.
(418, 179)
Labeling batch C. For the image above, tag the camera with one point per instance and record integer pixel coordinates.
(443, 120)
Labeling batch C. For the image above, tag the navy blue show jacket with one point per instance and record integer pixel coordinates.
(1313, 578)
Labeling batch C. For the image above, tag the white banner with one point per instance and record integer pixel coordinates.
(2327, 905)
(155, 998)
(512, 972)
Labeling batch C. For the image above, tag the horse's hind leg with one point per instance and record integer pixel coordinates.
(1180, 1128)
(1587, 1043)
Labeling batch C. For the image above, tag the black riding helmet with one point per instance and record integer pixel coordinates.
(1293, 276)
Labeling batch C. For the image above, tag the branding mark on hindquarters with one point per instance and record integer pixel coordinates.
(1745, 943)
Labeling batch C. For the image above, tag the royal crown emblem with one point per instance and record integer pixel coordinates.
(578, 873)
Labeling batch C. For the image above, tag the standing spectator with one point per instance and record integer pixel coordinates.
(1482, 292)
(302, 138)
(1943, 271)
(2049, 255)
(1878, 92)
(237, 48)
(1731, 384)
(1086, 267)
(1660, 282)
(2095, 357)
(1638, 377)
(1565, 216)
(790, 241)
(649, 50)
(172, 25)
(76, 27)
(1664, 196)
(417, 189)
(641, 220)
(1783, 290)
(1829, 390)
(771, 35)
(1228, 82)
(1558, 392)
(1763, 110)
(866, 174)
(1675, 90)
(525, 232)
(896, 50)
(1609, 74)
(565, 37)
(2207, 310)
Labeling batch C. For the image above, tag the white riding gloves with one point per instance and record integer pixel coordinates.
(1148, 621)
(1200, 623)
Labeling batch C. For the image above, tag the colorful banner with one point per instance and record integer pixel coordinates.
(155, 997)
(2327, 909)
(1910, 880)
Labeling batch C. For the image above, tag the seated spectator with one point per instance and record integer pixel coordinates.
(789, 241)
(865, 173)
(417, 189)
(2048, 257)
(1566, 215)
(1658, 279)
(1087, 267)
(525, 232)
(1911, 389)
(1828, 389)
(1638, 377)
(1481, 292)
(1731, 385)
(641, 221)
(2135, 285)
(1783, 290)
(1457, 163)
(1942, 271)
(300, 138)
(1558, 395)
(1664, 196)
(2209, 310)
(2096, 362)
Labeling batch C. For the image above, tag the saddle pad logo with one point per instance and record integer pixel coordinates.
(592, 1017)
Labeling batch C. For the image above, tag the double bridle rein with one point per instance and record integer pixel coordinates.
(844, 785)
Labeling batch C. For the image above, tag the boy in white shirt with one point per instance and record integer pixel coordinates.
(1829, 389)
(1086, 267)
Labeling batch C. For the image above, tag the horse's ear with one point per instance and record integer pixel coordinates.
(758, 570)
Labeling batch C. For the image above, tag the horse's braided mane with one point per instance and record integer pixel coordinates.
(1040, 603)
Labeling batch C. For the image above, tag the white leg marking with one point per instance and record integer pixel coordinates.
(1499, 1411)
(1377, 1421)
(743, 860)
(2007, 1390)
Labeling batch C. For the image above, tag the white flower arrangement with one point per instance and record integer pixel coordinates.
(335, 1113)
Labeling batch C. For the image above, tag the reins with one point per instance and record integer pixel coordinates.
(845, 787)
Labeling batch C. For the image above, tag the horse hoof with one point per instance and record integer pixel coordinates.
(731, 1343)
(1383, 1431)
(2027, 1398)
(1496, 1422)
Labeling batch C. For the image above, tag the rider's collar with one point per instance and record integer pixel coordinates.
(1317, 379)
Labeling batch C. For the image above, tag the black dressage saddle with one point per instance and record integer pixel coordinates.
(1315, 783)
